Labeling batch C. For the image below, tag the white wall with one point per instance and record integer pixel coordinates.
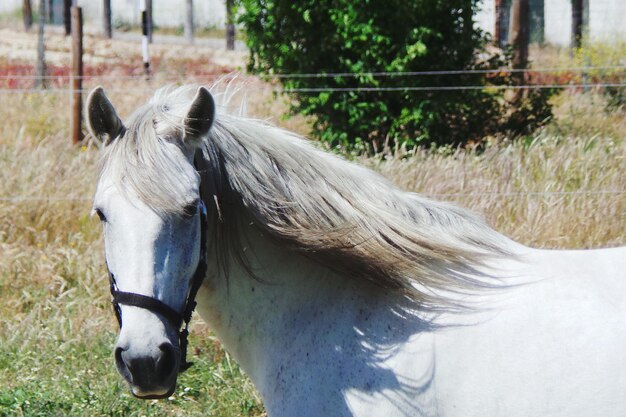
(7, 6)
(558, 22)
(606, 23)
(607, 20)
(167, 13)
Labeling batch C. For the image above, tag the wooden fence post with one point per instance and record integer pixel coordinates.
(27, 14)
(230, 25)
(67, 17)
(40, 81)
(49, 12)
(106, 19)
(77, 73)
(577, 23)
(497, 32)
(518, 38)
(188, 23)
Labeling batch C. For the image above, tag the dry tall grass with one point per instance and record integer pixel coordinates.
(550, 193)
(563, 187)
(50, 249)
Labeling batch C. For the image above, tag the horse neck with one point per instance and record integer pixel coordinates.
(296, 308)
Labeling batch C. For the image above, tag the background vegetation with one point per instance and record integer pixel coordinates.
(368, 38)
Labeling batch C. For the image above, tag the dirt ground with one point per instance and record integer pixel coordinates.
(19, 47)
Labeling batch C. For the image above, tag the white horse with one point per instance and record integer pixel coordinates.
(336, 292)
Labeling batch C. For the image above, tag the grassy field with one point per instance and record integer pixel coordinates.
(562, 187)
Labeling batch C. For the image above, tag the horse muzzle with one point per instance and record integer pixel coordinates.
(151, 374)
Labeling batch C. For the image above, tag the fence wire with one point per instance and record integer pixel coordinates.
(599, 193)
(584, 69)
(450, 88)
(341, 89)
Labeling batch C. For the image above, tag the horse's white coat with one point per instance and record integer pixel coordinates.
(316, 342)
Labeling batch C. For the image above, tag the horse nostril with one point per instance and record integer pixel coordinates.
(121, 364)
(166, 365)
(151, 371)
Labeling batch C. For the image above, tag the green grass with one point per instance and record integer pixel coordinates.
(75, 376)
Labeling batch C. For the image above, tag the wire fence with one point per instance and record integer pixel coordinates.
(511, 194)
(451, 72)
(586, 77)
(346, 89)
(451, 88)
(362, 74)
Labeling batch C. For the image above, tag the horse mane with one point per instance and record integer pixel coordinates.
(333, 211)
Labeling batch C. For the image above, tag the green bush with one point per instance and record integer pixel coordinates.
(392, 36)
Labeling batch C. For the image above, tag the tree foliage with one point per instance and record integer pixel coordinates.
(370, 37)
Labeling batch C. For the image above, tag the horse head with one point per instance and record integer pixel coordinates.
(154, 251)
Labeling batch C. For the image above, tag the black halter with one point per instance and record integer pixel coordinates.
(157, 306)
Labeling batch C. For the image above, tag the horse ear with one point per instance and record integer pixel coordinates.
(102, 119)
(200, 116)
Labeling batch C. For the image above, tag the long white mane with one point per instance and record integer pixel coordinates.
(338, 213)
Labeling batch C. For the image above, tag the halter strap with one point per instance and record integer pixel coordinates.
(158, 306)
(149, 303)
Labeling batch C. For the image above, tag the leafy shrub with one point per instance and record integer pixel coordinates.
(370, 110)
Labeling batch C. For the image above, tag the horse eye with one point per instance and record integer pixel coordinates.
(100, 215)
(191, 209)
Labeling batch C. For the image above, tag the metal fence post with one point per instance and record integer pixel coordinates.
(77, 74)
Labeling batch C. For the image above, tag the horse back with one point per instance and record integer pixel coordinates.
(552, 347)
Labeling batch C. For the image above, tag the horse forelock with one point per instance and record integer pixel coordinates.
(140, 163)
(328, 209)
